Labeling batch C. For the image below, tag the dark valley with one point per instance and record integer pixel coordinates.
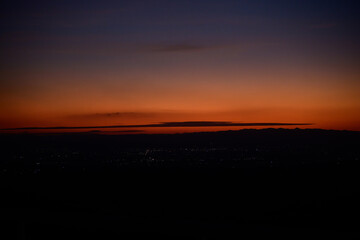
(251, 184)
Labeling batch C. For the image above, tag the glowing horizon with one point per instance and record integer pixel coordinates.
(136, 63)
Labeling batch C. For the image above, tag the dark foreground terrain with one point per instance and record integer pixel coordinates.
(248, 184)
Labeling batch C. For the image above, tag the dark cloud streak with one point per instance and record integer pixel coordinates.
(119, 114)
(167, 124)
(178, 48)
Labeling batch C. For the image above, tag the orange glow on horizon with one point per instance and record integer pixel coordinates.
(330, 106)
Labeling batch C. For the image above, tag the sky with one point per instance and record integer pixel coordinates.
(127, 63)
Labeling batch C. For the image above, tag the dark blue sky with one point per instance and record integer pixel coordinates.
(330, 27)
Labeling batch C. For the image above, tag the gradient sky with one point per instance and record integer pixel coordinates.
(86, 63)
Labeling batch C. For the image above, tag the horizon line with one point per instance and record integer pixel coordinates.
(164, 124)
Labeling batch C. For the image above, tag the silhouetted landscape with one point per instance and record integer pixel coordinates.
(250, 184)
(179, 119)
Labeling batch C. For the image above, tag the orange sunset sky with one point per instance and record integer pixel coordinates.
(109, 63)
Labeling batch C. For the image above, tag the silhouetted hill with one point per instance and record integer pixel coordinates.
(283, 183)
(246, 136)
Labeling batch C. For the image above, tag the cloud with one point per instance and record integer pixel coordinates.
(118, 114)
(184, 47)
(120, 131)
(167, 124)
